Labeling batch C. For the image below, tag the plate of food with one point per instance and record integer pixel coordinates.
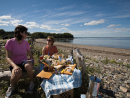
(68, 70)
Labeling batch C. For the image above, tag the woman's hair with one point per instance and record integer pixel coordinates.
(51, 38)
(17, 31)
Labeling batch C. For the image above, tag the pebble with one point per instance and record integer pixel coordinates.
(115, 78)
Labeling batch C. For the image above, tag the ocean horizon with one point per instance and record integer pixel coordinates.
(113, 42)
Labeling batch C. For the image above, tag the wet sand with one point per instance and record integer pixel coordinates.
(114, 53)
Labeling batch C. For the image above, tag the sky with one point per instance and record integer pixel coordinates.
(82, 18)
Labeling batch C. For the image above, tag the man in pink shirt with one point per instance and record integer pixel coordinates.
(16, 54)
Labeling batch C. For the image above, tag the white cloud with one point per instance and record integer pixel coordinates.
(65, 28)
(95, 22)
(122, 30)
(45, 27)
(64, 8)
(68, 14)
(31, 25)
(15, 22)
(100, 31)
(5, 17)
(113, 25)
(3, 24)
(81, 25)
(57, 29)
(65, 24)
(122, 16)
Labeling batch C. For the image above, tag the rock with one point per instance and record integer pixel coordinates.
(115, 90)
(123, 85)
(123, 89)
(128, 81)
(128, 85)
(128, 94)
(116, 71)
(125, 62)
(115, 76)
(119, 60)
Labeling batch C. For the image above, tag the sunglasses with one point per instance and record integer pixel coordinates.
(49, 40)
(25, 32)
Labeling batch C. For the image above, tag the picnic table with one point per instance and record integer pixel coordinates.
(60, 83)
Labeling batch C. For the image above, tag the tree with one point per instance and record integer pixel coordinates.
(1, 32)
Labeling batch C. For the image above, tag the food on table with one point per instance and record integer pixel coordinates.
(69, 69)
(55, 56)
(46, 56)
(62, 71)
(61, 62)
(71, 65)
(48, 61)
(45, 64)
(45, 68)
(57, 60)
(41, 57)
(49, 68)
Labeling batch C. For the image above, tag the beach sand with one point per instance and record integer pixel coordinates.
(113, 53)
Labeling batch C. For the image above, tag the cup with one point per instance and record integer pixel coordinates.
(41, 57)
(69, 69)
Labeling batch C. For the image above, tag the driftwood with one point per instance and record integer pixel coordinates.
(7, 74)
(79, 60)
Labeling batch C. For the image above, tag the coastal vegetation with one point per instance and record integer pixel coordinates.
(10, 34)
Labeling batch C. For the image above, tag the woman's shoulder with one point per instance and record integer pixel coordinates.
(11, 40)
(45, 47)
(9, 43)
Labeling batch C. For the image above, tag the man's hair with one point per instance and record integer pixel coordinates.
(19, 29)
(52, 39)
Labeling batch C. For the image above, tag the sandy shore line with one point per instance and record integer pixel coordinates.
(114, 53)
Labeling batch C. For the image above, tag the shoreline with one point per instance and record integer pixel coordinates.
(113, 53)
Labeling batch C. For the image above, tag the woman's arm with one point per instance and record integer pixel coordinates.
(8, 57)
(30, 54)
(43, 51)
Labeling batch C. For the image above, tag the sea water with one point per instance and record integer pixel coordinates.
(113, 42)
